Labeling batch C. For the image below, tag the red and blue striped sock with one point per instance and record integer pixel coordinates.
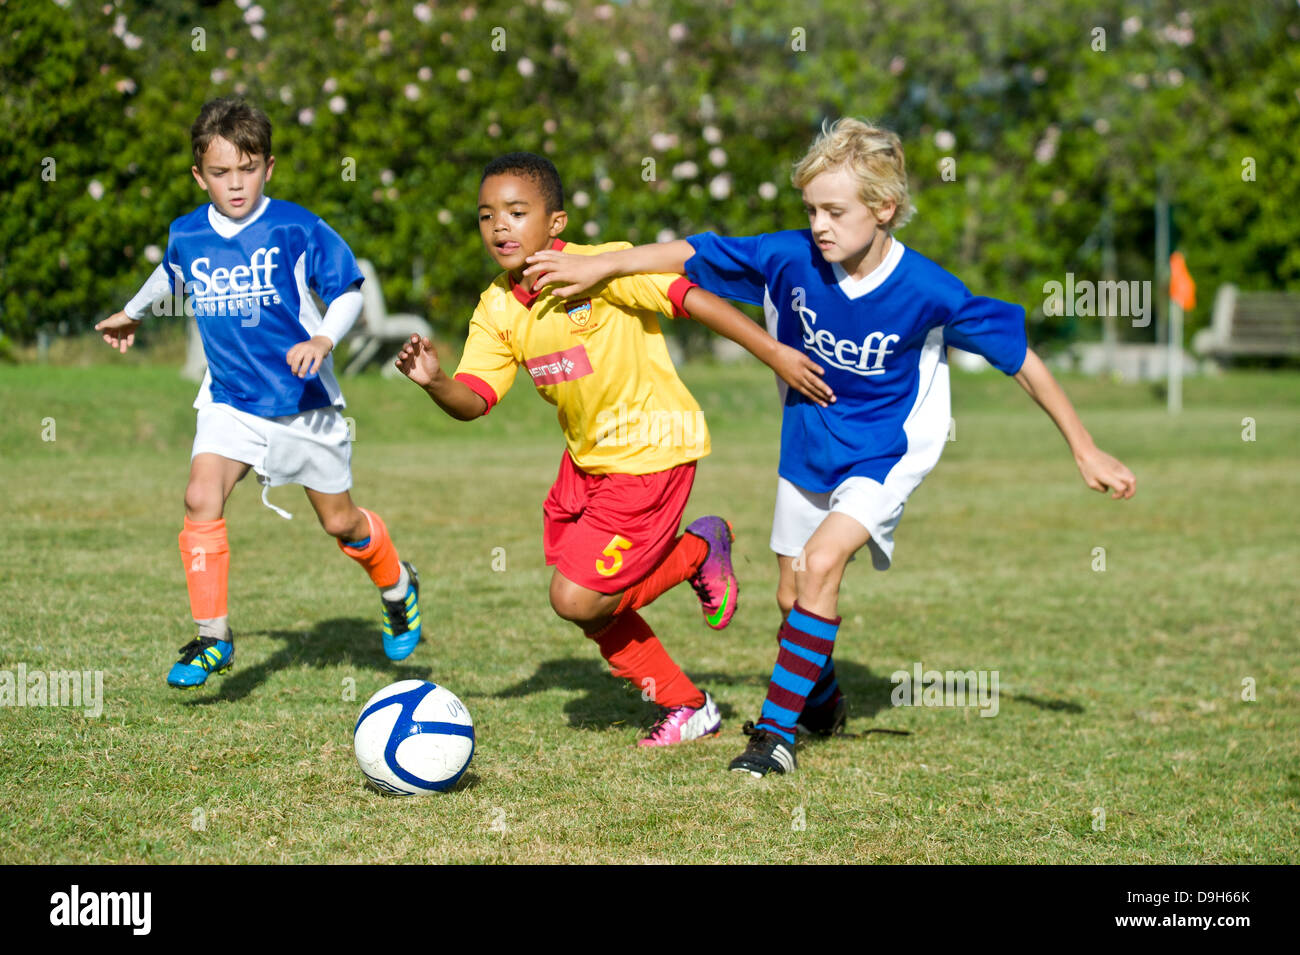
(826, 690)
(806, 644)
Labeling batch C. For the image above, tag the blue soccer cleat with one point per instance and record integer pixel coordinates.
(199, 657)
(402, 620)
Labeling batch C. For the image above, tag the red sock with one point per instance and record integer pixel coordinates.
(379, 557)
(683, 560)
(635, 653)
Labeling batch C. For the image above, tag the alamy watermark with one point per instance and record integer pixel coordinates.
(1085, 298)
(83, 688)
(622, 427)
(921, 687)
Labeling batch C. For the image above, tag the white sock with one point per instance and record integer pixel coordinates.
(398, 590)
(215, 628)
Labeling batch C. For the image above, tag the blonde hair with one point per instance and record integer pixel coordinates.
(875, 157)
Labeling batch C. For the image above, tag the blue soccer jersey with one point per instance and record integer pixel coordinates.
(249, 282)
(881, 340)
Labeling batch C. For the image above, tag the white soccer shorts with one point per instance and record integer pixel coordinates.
(799, 512)
(311, 448)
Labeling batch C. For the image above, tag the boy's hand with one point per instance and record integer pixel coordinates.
(802, 374)
(305, 358)
(119, 331)
(574, 274)
(1102, 472)
(418, 360)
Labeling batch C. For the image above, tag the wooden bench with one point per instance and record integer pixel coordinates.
(1251, 325)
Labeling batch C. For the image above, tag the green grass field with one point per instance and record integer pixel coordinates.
(1121, 690)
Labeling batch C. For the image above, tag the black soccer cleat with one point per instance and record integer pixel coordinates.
(826, 720)
(766, 753)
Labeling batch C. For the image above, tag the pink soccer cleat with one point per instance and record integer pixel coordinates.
(715, 582)
(681, 724)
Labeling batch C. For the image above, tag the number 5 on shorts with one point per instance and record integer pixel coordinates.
(614, 551)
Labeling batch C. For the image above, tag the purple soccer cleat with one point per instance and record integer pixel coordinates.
(715, 582)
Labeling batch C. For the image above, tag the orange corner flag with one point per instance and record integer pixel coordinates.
(1181, 287)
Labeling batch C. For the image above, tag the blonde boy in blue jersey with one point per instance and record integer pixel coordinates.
(269, 401)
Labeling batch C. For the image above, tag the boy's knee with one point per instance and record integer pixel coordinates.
(824, 565)
(202, 501)
(338, 525)
(568, 601)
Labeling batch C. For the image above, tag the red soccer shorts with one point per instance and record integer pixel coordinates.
(607, 531)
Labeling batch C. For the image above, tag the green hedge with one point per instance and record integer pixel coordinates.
(1045, 130)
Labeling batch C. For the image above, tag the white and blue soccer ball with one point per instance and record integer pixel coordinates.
(414, 737)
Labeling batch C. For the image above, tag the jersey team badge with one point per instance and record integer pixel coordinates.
(579, 312)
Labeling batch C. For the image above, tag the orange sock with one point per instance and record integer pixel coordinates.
(379, 557)
(683, 560)
(206, 556)
(635, 653)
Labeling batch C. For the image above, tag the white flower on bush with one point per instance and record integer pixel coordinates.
(330, 85)
(662, 142)
(387, 177)
(677, 32)
(258, 31)
(602, 12)
(622, 57)
(712, 135)
(254, 14)
(591, 230)
(445, 216)
(526, 66)
(945, 140)
(767, 190)
(152, 254)
(605, 184)
(119, 26)
(1131, 25)
(126, 85)
(132, 42)
(338, 104)
(685, 170)
(718, 156)
(581, 199)
(666, 235)
(720, 186)
(494, 130)
(412, 91)
(464, 75)
(1046, 147)
(550, 125)
(219, 76)
(897, 65)
(423, 12)
(306, 116)
(1101, 126)
(286, 95)
(96, 189)
(425, 74)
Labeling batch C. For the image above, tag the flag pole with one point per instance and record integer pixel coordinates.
(1175, 385)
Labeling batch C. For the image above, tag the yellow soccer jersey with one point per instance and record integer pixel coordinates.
(601, 361)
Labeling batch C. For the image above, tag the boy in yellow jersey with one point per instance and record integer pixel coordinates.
(633, 433)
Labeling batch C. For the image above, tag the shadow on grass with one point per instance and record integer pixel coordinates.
(608, 701)
(329, 643)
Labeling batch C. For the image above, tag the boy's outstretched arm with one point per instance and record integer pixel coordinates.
(795, 368)
(1100, 471)
(575, 274)
(419, 361)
